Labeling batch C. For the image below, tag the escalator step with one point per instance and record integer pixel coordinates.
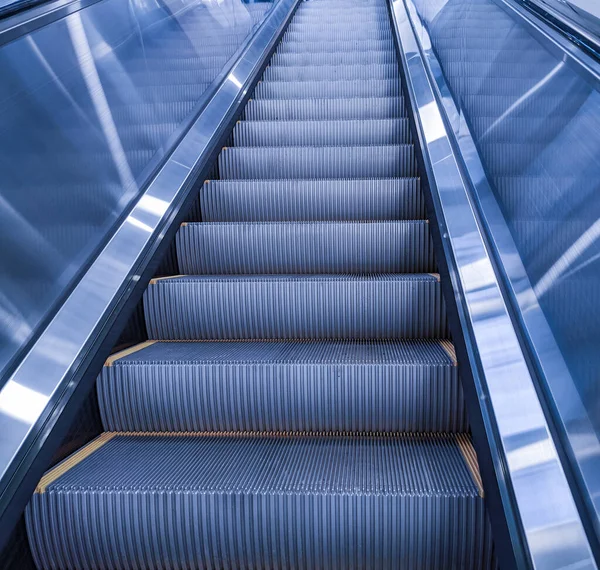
(355, 72)
(295, 307)
(256, 501)
(318, 24)
(326, 89)
(336, 17)
(332, 33)
(325, 109)
(334, 58)
(220, 248)
(306, 200)
(322, 133)
(340, 45)
(331, 386)
(318, 162)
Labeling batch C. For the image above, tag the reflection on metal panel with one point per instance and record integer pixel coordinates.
(46, 375)
(545, 508)
(88, 107)
(528, 127)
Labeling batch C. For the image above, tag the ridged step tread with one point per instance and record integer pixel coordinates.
(325, 109)
(319, 24)
(304, 18)
(331, 33)
(356, 307)
(333, 58)
(322, 133)
(306, 200)
(339, 45)
(318, 162)
(271, 501)
(357, 72)
(341, 88)
(332, 386)
(344, 11)
(220, 248)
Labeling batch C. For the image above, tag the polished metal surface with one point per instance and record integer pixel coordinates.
(582, 15)
(537, 201)
(22, 23)
(530, 466)
(89, 107)
(562, 46)
(33, 397)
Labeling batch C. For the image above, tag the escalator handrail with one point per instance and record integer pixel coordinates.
(515, 445)
(572, 29)
(49, 378)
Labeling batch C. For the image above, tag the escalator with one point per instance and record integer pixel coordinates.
(298, 404)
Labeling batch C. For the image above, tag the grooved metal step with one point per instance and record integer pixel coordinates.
(325, 109)
(271, 501)
(295, 307)
(322, 133)
(329, 33)
(355, 72)
(319, 25)
(340, 45)
(305, 247)
(309, 59)
(327, 89)
(318, 162)
(335, 17)
(333, 386)
(306, 200)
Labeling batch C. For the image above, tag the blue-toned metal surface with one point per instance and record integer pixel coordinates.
(533, 159)
(296, 307)
(31, 402)
(318, 161)
(537, 494)
(317, 386)
(326, 109)
(88, 106)
(304, 200)
(304, 502)
(305, 247)
(579, 17)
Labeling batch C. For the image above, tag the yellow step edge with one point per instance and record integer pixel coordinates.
(127, 351)
(450, 351)
(72, 461)
(468, 451)
(156, 279)
(436, 275)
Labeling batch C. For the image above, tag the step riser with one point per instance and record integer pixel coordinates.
(325, 109)
(340, 58)
(371, 19)
(305, 248)
(294, 309)
(330, 73)
(328, 34)
(325, 133)
(318, 162)
(306, 200)
(341, 45)
(272, 396)
(320, 25)
(327, 90)
(195, 530)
